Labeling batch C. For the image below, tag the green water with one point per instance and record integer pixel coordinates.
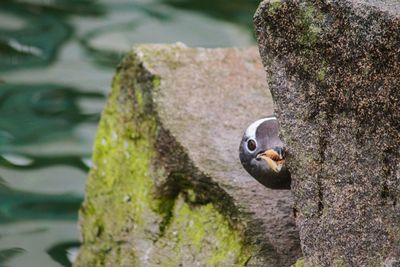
(57, 58)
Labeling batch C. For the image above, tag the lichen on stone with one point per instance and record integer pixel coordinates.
(299, 263)
(201, 232)
(309, 22)
(274, 5)
(322, 72)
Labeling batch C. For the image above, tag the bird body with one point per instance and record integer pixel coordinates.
(262, 154)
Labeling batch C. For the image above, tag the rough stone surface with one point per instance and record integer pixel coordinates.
(334, 73)
(166, 187)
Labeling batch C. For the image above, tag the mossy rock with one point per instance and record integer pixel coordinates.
(166, 187)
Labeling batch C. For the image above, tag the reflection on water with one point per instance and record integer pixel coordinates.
(6, 254)
(28, 38)
(19, 206)
(64, 252)
(43, 110)
(56, 62)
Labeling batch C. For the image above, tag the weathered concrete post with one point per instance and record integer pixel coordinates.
(334, 73)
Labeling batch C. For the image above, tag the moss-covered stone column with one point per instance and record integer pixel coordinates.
(334, 73)
(166, 187)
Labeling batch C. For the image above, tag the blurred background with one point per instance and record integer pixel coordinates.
(57, 58)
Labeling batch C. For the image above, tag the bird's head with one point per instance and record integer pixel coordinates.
(262, 154)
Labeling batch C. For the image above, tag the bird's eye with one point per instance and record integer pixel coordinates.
(251, 145)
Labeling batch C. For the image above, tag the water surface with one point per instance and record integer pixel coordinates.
(57, 59)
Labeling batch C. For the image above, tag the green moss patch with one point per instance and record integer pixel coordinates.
(203, 233)
(299, 263)
(309, 22)
(274, 5)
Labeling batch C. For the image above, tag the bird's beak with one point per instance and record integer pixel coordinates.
(274, 160)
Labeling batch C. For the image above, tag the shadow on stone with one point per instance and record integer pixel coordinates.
(166, 187)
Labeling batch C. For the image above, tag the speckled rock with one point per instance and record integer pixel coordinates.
(334, 73)
(166, 187)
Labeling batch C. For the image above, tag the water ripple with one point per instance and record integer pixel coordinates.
(43, 111)
(35, 44)
(7, 254)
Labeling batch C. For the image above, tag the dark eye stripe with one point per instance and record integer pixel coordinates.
(251, 145)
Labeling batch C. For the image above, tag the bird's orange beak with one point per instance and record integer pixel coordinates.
(273, 159)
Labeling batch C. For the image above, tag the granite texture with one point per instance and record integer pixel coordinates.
(333, 69)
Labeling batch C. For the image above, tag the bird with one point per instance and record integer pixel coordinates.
(262, 154)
